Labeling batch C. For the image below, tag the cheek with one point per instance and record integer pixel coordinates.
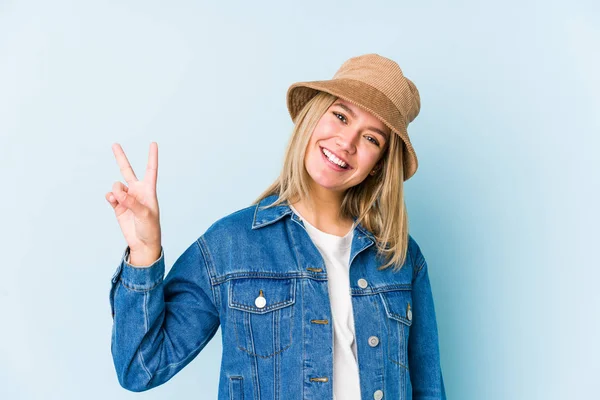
(325, 127)
(323, 131)
(369, 158)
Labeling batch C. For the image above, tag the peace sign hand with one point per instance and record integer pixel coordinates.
(136, 207)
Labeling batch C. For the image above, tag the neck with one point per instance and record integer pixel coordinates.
(322, 211)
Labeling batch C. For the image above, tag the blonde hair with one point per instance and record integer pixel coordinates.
(377, 202)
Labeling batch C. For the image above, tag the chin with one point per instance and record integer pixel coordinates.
(326, 184)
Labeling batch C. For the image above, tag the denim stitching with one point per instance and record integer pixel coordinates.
(295, 282)
(303, 341)
(174, 364)
(403, 343)
(254, 361)
(271, 307)
(232, 379)
(145, 312)
(274, 320)
(250, 352)
(380, 312)
(375, 290)
(264, 357)
(141, 290)
(234, 320)
(237, 337)
(397, 363)
(297, 256)
(144, 365)
(419, 269)
(273, 275)
(140, 355)
(210, 269)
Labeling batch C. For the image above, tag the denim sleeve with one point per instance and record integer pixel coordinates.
(423, 348)
(160, 325)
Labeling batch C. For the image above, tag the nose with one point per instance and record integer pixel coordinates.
(346, 140)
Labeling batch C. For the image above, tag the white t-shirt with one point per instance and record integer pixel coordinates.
(336, 254)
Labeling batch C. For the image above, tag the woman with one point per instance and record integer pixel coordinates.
(319, 289)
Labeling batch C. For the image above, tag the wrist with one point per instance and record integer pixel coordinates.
(144, 257)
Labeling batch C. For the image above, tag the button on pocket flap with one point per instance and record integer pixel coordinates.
(261, 295)
(398, 305)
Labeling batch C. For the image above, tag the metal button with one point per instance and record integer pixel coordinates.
(378, 395)
(260, 301)
(408, 312)
(362, 283)
(373, 341)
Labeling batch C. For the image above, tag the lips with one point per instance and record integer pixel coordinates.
(348, 166)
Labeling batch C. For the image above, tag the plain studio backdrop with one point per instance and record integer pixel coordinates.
(504, 204)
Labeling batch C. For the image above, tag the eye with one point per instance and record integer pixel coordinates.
(340, 115)
(374, 141)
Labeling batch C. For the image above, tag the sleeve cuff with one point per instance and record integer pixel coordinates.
(140, 278)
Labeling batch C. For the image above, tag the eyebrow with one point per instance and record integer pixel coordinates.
(383, 134)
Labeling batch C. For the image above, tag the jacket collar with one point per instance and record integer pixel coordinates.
(266, 216)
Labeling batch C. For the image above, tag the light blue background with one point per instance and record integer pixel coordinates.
(504, 204)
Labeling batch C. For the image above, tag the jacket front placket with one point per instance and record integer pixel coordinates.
(369, 326)
(316, 308)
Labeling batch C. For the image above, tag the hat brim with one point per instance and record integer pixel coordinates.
(364, 96)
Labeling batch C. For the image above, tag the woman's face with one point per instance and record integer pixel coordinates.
(347, 133)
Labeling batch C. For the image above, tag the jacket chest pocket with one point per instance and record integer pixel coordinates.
(261, 312)
(398, 309)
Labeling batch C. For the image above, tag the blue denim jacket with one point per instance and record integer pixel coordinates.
(258, 275)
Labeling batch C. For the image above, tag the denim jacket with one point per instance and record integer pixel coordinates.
(258, 275)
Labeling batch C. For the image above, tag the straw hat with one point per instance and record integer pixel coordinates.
(377, 85)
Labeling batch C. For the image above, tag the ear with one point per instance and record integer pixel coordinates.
(375, 169)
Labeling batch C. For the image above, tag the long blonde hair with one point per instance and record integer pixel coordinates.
(377, 202)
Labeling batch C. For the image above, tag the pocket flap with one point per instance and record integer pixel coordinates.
(398, 305)
(277, 293)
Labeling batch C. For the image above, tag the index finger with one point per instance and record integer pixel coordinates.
(124, 165)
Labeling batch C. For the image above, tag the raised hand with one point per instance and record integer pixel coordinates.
(136, 207)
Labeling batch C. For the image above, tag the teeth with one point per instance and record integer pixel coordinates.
(334, 159)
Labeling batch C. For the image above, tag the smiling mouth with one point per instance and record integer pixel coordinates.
(333, 159)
